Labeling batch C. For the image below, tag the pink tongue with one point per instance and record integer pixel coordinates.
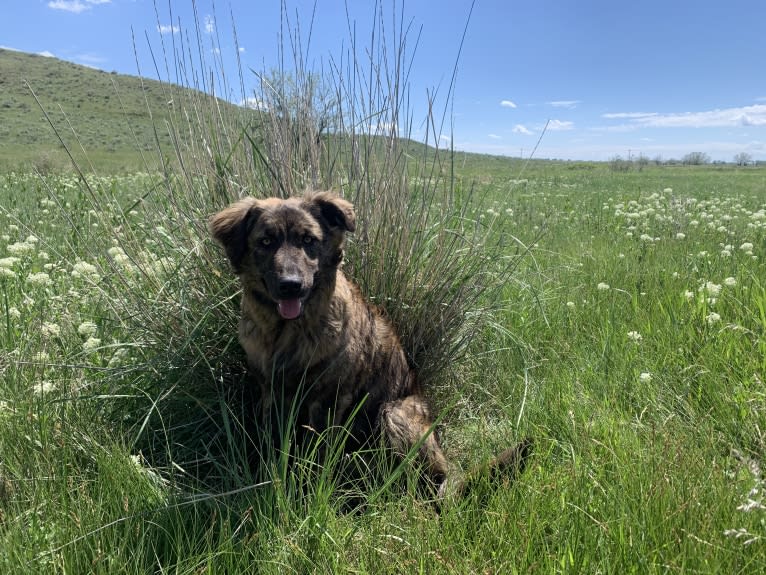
(289, 308)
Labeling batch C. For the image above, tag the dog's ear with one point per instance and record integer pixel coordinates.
(337, 212)
(231, 226)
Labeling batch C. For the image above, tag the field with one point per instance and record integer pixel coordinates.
(629, 344)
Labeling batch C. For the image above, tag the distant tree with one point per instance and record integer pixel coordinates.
(618, 164)
(658, 161)
(743, 159)
(641, 162)
(695, 159)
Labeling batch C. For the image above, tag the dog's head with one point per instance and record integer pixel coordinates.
(282, 249)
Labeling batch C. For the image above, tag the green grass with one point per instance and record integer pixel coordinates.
(99, 471)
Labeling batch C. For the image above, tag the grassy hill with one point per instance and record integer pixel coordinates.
(112, 114)
(117, 118)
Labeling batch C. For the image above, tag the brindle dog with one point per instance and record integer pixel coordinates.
(311, 337)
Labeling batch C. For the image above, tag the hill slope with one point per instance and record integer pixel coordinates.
(109, 112)
(116, 118)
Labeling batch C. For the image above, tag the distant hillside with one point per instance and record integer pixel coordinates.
(114, 117)
(109, 112)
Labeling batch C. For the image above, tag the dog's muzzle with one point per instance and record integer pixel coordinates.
(291, 295)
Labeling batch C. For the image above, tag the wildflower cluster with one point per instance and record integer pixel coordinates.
(53, 298)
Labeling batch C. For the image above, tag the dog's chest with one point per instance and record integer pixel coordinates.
(291, 348)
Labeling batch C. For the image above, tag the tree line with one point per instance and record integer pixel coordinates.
(620, 164)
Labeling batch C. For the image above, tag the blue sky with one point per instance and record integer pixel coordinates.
(658, 77)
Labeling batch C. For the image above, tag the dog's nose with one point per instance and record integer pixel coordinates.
(290, 287)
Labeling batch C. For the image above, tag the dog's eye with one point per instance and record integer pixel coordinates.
(266, 242)
(308, 240)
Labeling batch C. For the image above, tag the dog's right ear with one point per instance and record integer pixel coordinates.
(231, 226)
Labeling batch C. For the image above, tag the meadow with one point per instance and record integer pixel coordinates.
(628, 342)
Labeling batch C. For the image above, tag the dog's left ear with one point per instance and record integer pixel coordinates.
(230, 228)
(337, 212)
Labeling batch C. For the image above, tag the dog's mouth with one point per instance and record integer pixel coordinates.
(290, 308)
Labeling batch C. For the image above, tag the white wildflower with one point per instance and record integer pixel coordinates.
(120, 357)
(91, 344)
(87, 329)
(645, 377)
(8, 262)
(602, 286)
(730, 282)
(635, 336)
(43, 387)
(86, 270)
(39, 279)
(712, 318)
(21, 248)
(712, 289)
(51, 329)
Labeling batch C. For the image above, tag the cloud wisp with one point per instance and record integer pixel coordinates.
(565, 104)
(560, 125)
(508, 104)
(521, 129)
(168, 29)
(743, 116)
(75, 6)
(209, 24)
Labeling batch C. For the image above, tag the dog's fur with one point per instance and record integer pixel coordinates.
(311, 338)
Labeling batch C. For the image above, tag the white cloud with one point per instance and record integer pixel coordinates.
(629, 115)
(44, 53)
(566, 104)
(560, 126)
(520, 129)
(209, 24)
(494, 136)
(754, 115)
(254, 104)
(507, 104)
(75, 6)
(168, 29)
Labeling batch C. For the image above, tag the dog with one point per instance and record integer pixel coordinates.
(313, 342)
